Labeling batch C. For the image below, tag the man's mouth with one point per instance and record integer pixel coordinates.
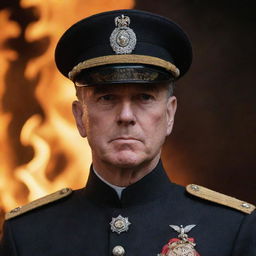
(125, 139)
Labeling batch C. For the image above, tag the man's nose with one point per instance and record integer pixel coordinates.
(126, 114)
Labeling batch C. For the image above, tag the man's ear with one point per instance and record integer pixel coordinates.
(171, 110)
(77, 110)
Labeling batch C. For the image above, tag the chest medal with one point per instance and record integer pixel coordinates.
(181, 246)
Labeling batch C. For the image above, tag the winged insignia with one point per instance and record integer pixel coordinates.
(182, 230)
(122, 21)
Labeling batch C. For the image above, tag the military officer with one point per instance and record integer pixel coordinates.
(124, 64)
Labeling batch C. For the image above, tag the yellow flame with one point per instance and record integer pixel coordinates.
(54, 134)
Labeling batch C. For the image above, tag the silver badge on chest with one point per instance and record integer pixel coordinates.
(123, 38)
(119, 224)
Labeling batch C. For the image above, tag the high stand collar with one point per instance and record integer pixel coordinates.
(151, 187)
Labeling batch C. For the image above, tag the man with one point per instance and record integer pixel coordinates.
(124, 64)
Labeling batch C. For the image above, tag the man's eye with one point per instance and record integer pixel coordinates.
(146, 97)
(106, 98)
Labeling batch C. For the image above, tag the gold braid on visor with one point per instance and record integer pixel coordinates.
(123, 59)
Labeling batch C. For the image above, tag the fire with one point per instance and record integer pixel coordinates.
(9, 29)
(60, 158)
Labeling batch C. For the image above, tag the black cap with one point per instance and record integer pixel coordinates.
(123, 46)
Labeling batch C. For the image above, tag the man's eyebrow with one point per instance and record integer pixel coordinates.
(150, 88)
(102, 89)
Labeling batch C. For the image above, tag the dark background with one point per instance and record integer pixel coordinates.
(214, 137)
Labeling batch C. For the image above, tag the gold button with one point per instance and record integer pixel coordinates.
(64, 191)
(17, 209)
(118, 250)
(246, 205)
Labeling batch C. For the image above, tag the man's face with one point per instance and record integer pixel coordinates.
(125, 125)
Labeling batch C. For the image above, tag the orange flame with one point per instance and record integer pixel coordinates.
(8, 30)
(61, 158)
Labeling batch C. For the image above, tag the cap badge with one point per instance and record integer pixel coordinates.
(181, 246)
(123, 38)
(119, 224)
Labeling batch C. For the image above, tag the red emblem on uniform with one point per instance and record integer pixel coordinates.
(181, 246)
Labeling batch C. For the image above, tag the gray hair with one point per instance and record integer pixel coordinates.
(171, 86)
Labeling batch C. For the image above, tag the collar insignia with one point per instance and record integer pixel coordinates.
(122, 39)
(181, 246)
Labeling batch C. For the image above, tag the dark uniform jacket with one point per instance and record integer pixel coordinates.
(79, 224)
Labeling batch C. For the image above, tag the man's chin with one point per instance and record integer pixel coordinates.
(128, 160)
(126, 164)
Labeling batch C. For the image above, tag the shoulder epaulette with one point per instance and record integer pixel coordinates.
(219, 198)
(38, 203)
